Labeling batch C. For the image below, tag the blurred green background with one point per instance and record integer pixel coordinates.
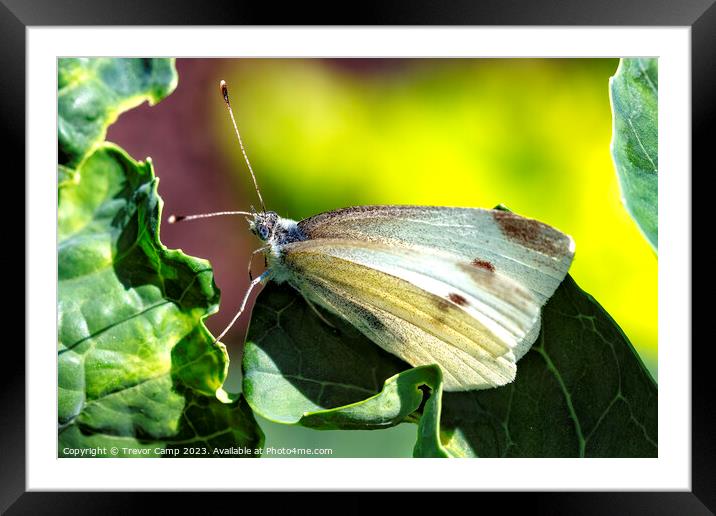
(533, 134)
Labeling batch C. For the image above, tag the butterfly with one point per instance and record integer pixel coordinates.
(458, 287)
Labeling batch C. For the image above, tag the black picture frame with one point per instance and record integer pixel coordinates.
(699, 15)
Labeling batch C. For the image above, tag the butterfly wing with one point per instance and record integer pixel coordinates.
(529, 252)
(420, 303)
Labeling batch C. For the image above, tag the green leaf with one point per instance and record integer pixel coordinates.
(581, 390)
(93, 92)
(634, 96)
(136, 363)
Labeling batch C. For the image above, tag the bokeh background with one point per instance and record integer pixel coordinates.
(321, 134)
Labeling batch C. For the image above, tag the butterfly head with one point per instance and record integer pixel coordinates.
(263, 224)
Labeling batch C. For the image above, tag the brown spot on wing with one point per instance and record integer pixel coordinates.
(483, 264)
(442, 304)
(495, 282)
(532, 233)
(457, 299)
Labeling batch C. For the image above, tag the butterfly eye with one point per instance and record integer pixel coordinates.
(263, 232)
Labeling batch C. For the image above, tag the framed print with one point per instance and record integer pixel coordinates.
(346, 249)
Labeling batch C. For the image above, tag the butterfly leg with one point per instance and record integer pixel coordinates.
(251, 259)
(261, 279)
(319, 314)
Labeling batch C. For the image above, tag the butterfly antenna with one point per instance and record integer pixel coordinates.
(225, 94)
(182, 218)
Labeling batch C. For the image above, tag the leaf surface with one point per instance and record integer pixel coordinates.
(634, 94)
(135, 360)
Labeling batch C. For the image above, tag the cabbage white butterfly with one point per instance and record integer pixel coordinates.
(460, 287)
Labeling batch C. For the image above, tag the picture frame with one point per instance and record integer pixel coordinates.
(700, 16)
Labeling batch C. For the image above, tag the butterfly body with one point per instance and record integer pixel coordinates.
(277, 232)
